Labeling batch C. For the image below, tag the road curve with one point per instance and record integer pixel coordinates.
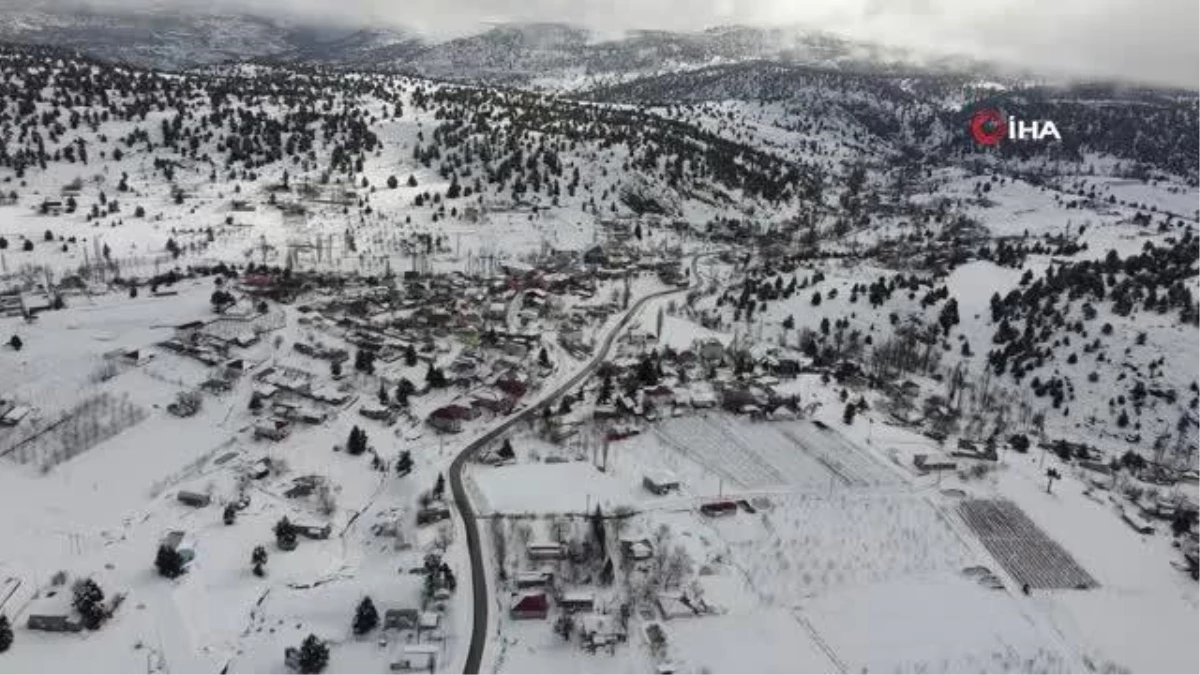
(478, 570)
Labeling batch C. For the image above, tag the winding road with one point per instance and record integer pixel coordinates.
(462, 501)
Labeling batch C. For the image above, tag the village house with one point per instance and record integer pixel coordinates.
(539, 551)
(493, 401)
(178, 541)
(52, 613)
(534, 579)
(599, 630)
(927, 462)
(711, 350)
(432, 513)
(577, 601)
(415, 658)
(660, 482)
(401, 619)
(673, 606)
(636, 550)
(273, 429)
(532, 605)
(449, 419)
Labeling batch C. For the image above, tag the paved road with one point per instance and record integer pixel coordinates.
(479, 580)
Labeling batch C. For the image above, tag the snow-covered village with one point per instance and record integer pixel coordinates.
(532, 352)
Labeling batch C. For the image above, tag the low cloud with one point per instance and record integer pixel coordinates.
(1150, 41)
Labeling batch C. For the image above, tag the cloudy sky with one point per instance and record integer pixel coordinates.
(1154, 41)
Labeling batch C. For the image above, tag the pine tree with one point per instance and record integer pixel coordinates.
(392, 182)
(169, 562)
(314, 655)
(506, 450)
(258, 560)
(6, 634)
(598, 529)
(404, 465)
(439, 488)
(357, 444)
(412, 180)
(230, 514)
(285, 534)
(606, 389)
(383, 395)
(16, 343)
(848, 413)
(88, 600)
(366, 617)
(543, 358)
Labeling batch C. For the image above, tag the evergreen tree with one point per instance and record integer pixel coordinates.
(412, 180)
(506, 450)
(392, 182)
(606, 389)
(285, 534)
(439, 488)
(404, 464)
(169, 562)
(258, 560)
(230, 515)
(544, 358)
(6, 634)
(383, 395)
(597, 520)
(366, 617)
(848, 413)
(88, 600)
(410, 356)
(314, 655)
(16, 343)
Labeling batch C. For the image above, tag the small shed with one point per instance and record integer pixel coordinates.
(722, 508)
(194, 499)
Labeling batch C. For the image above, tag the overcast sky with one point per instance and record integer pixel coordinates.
(1154, 41)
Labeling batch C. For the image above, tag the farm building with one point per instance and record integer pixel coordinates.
(534, 605)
